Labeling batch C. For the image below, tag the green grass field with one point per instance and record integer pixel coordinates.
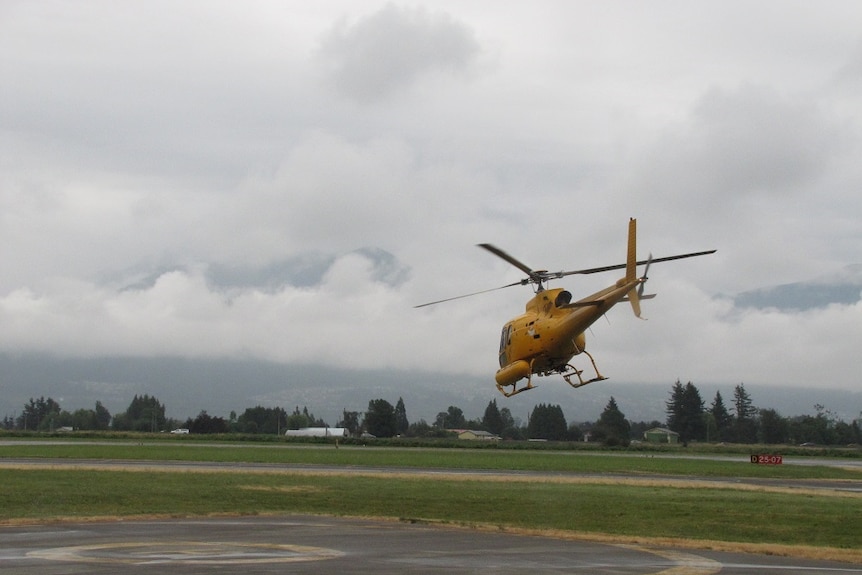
(651, 506)
(485, 459)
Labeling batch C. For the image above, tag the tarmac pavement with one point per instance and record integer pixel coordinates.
(322, 545)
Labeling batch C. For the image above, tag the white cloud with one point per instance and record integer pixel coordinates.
(389, 49)
(738, 144)
(147, 149)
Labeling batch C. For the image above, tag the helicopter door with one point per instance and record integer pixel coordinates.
(505, 341)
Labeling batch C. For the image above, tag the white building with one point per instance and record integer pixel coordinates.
(317, 432)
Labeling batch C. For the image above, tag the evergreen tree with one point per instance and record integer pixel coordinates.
(694, 409)
(511, 428)
(721, 418)
(743, 404)
(380, 418)
(685, 413)
(745, 425)
(612, 428)
(507, 418)
(674, 406)
(455, 418)
(39, 414)
(103, 417)
(492, 421)
(401, 423)
(547, 422)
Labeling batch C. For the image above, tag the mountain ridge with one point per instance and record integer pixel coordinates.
(188, 386)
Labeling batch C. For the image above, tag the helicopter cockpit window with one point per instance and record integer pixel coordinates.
(505, 337)
(564, 298)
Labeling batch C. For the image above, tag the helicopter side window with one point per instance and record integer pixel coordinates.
(564, 298)
(505, 340)
(505, 337)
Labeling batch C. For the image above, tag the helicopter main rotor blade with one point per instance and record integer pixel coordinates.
(641, 262)
(468, 295)
(501, 254)
(539, 276)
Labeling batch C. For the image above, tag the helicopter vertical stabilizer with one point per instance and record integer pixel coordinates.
(631, 267)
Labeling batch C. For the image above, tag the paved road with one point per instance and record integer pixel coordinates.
(317, 545)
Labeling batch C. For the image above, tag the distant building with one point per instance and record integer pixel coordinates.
(317, 432)
(477, 434)
(661, 435)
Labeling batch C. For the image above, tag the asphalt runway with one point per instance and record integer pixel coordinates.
(321, 545)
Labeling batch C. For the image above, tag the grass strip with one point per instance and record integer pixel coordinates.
(622, 510)
(484, 459)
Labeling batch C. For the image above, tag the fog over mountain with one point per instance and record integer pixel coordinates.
(841, 288)
(218, 387)
(189, 385)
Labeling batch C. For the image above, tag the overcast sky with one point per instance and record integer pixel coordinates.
(286, 180)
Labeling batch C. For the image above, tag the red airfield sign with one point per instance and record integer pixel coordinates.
(767, 459)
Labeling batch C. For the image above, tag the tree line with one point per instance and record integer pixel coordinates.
(687, 415)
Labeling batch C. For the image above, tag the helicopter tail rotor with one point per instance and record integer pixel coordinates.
(635, 296)
(644, 277)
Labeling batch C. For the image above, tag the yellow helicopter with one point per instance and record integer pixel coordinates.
(543, 340)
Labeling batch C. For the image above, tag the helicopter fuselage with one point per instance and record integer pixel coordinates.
(551, 331)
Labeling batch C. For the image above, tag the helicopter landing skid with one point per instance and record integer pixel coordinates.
(568, 371)
(515, 390)
(573, 371)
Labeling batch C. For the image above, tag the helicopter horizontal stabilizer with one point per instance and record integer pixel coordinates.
(598, 302)
(645, 296)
